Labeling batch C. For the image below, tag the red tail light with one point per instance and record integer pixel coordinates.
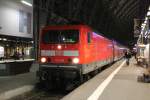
(43, 60)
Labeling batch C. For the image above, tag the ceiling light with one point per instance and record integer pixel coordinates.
(4, 39)
(148, 13)
(26, 3)
(142, 26)
(142, 30)
(145, 33)
(145, 22)
(146, 18)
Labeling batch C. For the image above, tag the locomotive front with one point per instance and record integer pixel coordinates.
(59, 54)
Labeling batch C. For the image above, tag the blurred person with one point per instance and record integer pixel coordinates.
(127, 56)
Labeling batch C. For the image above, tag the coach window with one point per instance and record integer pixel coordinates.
(89, 37)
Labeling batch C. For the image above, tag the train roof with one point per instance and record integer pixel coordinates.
(73, 26)
(65, 26)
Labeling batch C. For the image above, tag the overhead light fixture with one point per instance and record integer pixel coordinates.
(145, 22)
(26, 3)
(141, 45)
(149, 8)
(148, 13)
(142, 26)
(146, 18)
(145, 33)
(4, 39)
(142, 30)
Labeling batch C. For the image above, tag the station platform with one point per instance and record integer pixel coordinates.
(13, 67)
(11, 86)
(119, 82)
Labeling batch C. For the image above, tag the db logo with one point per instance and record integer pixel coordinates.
(59, 53)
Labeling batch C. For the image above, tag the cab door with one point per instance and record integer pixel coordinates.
(90, 47)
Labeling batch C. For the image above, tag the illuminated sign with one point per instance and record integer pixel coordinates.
(1, 51)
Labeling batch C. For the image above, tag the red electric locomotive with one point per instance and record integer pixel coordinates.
(73, 51)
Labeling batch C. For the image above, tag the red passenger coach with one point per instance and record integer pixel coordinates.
(74, 51)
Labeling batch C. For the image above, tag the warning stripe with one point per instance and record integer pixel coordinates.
(55, 53)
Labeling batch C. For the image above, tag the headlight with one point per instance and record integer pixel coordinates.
(75, 60)
(43, 59)
(59, 47)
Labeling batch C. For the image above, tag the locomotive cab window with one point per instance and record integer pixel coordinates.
(61, 36)
(89, 37)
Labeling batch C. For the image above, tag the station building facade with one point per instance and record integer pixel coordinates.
(16, 30)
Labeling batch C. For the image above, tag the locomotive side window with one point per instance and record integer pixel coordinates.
(89, 37)
(60, 36)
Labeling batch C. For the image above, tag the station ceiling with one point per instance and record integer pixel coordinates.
(113, 18)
